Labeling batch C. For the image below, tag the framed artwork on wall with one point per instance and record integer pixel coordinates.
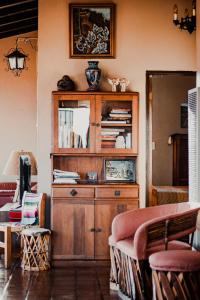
(120, 170)
(92, 30)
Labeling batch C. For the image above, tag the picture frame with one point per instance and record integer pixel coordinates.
(92, 31)
(120, 170)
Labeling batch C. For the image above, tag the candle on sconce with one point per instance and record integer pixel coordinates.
(175, 12)
(193, 8)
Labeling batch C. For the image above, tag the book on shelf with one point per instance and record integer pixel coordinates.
(121, 110)
(65, 181)
(112, 122)
(115, 115)
(65, 174)
(104, 130)
(108, 138)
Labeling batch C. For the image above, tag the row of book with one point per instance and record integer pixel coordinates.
(65, 176)
(110, 138)
(119, 115)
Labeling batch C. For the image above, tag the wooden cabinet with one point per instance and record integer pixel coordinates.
(73, 221)
(82, 225)
(87, 129)
(105, 211)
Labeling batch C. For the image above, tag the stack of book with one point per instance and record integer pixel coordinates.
(109, 136)
(119, 115)
(65, 176)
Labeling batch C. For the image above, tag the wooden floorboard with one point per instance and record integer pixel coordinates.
(69, 283)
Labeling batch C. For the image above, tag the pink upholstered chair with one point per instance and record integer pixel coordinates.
(176, 275)
(137, 234)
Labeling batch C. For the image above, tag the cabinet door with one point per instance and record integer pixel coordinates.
(73, 229)
(105, 211)
(117, 123)
(74, 123)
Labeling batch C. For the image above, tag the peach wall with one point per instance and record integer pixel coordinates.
(17, 105)
(146, 39)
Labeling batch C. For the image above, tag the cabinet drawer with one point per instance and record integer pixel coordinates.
(121, 192)
(75, 192)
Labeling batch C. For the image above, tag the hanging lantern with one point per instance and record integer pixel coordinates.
(16, 61)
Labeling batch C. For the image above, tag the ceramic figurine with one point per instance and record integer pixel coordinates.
(114, 83)
(123, 84)
(120, 142)
(65, 84)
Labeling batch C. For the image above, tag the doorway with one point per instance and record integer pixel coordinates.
(166, 103)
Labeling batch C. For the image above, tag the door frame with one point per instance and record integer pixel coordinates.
(149, 104)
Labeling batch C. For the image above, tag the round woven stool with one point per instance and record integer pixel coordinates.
(176, 274)
(36, 244)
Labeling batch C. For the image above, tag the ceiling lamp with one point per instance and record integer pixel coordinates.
(187, 22)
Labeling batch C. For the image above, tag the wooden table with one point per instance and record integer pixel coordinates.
(169, 194)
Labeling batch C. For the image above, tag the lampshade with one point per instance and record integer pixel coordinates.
(12, 165)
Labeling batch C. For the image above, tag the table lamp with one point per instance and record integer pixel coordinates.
(12, 167)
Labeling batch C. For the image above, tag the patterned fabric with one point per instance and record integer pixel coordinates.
(30, 209)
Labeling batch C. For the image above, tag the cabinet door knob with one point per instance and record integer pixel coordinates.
(98, 230)
(117, 193)
(97, 125)
(73, 192)
(92, 229)
(92, 124)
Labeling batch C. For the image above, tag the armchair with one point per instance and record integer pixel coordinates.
(137, 234)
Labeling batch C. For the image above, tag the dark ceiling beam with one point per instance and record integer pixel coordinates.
(16, 18)
(18, 31)
(19, 24)
(6, 3)
(18, 14)
(17, 8)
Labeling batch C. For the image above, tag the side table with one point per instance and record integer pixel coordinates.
(36, 249)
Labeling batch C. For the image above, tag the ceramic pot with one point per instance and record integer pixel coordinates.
(93, 75)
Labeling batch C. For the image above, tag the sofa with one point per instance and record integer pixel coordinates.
(7, 191)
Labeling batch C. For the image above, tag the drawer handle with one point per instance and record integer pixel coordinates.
(73, 192)
(117, 193)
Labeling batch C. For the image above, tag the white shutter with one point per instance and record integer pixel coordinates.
(194, 144)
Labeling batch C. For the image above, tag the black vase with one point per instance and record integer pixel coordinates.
(93, 75)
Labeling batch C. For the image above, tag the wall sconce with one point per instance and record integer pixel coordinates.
(187, 22)
(16, 58)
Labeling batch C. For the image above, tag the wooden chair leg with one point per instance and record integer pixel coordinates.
(8, 247)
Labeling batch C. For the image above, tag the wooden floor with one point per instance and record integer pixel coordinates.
(70, 283)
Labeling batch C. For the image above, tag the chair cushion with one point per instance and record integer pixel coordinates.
(176, 261)
(126, 246)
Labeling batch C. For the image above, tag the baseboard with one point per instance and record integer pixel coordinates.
(80, 263)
